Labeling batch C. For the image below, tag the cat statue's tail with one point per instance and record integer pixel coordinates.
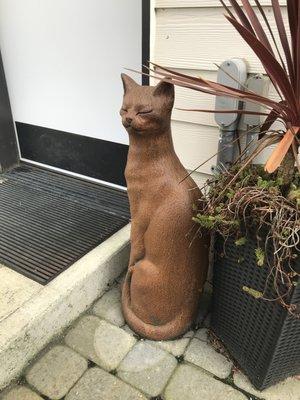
(171, 330)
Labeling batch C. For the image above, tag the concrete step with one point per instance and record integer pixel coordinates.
(32, 315)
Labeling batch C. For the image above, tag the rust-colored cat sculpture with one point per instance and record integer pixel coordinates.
(166, 269)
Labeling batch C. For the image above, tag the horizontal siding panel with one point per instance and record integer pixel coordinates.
(196, 38)
(194, 144)
(187, 98)
(202, 3)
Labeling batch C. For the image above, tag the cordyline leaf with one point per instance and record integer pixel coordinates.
(248, 41)
(217, 89)
(263, 14)
(234, 79)
(292, 6)
(297, 44)
(283, 71)
(283, 38)
(271, 118)
(240, 13)
(224, 111)
(257, 26)
(271, 65)
(281, 149)
(226, 8)
(197, 83)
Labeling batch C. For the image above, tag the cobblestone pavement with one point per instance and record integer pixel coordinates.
(100, 358)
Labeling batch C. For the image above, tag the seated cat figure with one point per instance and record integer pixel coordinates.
(167, 269)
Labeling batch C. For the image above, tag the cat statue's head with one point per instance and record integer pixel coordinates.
(146, 109)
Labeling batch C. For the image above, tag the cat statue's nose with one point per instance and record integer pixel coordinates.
(128, 120)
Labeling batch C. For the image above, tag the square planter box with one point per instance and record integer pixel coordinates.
(260, 335)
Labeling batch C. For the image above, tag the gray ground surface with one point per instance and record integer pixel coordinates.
(100, 358)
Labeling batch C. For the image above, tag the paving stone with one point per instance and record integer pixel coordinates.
(111, 345)
(56, 372)
(148, 368)
(201, 353)
(97, 384)
(109, 307)
(81, 337)
(21, 393)
(190, 383)
(286, 390)
(99, 341)
(175, 347)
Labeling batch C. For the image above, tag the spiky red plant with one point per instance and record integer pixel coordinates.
(282, 66)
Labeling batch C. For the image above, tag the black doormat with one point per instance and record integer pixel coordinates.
(49, 220)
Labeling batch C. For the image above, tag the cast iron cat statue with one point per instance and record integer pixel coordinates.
(167, 269)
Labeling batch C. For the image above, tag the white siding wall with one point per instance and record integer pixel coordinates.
(190, 36)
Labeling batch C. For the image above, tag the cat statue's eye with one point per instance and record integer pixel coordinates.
(144, 112)
(124, 109)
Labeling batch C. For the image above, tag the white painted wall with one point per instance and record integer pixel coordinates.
(63, 60)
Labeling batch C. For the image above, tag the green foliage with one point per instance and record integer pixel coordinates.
(260, 256)
(241, 241)
(212, 221)
(230, 193)
(273, 186)
(294, 194)
(239, 201)
(254, 293)
(194, 207)
(221, 194)
(205, 221)
(264, 184)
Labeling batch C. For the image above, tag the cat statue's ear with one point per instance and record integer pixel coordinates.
(128, 83)
(164, 89)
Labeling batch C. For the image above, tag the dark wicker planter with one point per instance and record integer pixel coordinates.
(261, 336)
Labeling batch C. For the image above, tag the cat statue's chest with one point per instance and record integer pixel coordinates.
(146, 185)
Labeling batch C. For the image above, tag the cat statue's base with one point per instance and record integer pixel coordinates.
(168, 261)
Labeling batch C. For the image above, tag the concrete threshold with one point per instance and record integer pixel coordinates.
(36, 314)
